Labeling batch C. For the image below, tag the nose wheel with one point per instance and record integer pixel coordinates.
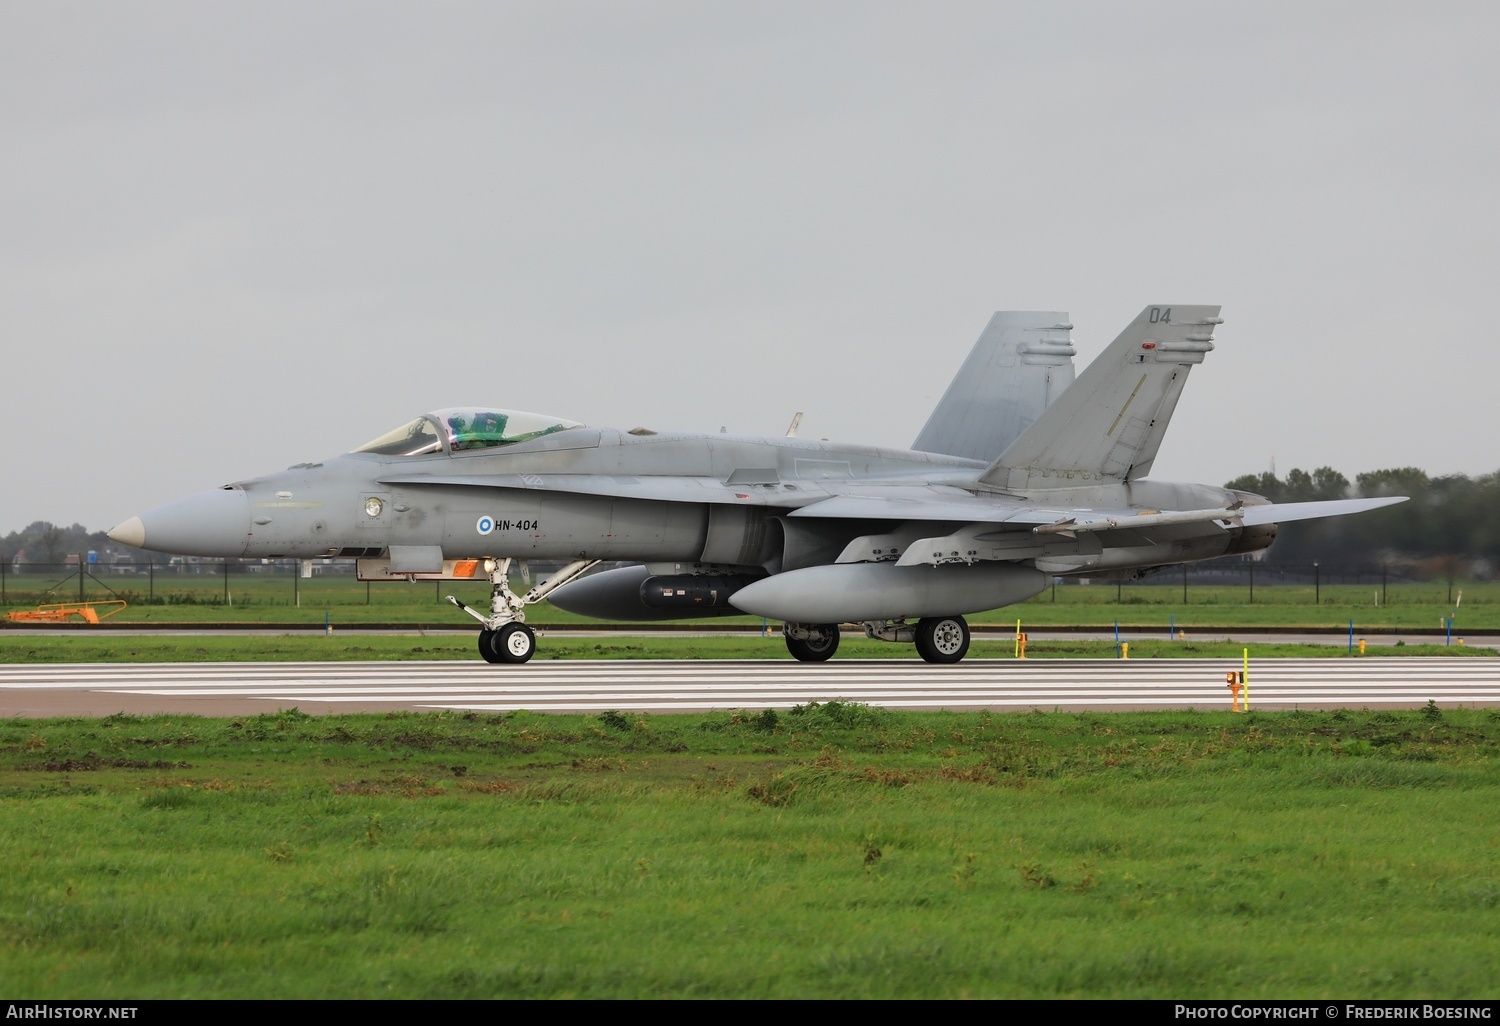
(513, 643)
(486, 649)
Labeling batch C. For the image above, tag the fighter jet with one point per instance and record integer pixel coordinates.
(1021, 474)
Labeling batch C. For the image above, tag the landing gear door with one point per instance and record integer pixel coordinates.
(391, 570)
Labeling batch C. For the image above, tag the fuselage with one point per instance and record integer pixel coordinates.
(355, 502)
(591, 493)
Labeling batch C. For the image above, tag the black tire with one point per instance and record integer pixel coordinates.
(942, 639)
(515, 643)
(817, 649)
(487, 646)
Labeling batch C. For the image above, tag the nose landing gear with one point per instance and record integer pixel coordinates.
(942, 639)
(939, 639)
(504, 637)
(811, 642)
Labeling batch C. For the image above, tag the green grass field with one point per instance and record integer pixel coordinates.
(1146, 615)
(279, 598)
(837, 852)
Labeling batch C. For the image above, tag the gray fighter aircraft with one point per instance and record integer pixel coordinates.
(1021, 474)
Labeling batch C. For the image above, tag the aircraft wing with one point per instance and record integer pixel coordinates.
(919, 503)
(1286, 512)
(951, 505)
(937, 503)
(1059, 540)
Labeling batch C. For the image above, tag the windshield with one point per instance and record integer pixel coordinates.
(414, 438)
(464, 429)
(469, 429)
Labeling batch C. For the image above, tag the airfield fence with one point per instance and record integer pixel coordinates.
(332, 582)
(186, 581)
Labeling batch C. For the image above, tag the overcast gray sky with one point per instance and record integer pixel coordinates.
(236, 236)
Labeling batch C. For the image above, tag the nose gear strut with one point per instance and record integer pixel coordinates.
(505, 638)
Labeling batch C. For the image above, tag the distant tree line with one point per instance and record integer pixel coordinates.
(45, 542)
(1451, 525)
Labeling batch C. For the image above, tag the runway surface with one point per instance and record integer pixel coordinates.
(581, 686)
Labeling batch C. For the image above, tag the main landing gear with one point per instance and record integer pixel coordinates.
(811, 642)
(939, 639)
(942, 639)
(505, 638)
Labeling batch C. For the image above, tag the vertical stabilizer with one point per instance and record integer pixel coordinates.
(1109, 424)
(1021, 363)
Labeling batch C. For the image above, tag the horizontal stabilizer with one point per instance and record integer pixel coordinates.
(1107, 426)
(1021, 363)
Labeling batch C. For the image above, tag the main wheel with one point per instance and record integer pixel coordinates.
(942, 639)
(818, 648)
(515, 643)
(487, 646)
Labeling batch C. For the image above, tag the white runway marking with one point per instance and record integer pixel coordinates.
(679, 685)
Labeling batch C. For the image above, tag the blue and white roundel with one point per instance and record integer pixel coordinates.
(486, 524)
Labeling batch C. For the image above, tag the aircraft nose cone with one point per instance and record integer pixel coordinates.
(215, 523)
(131, 532)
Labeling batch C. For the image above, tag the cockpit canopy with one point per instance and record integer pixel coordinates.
(464, 429)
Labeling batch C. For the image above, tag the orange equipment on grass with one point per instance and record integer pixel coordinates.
(56, 612)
